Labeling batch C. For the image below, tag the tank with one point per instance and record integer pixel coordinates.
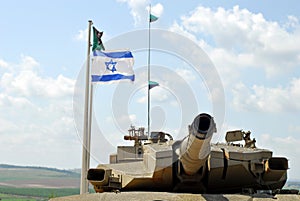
(191, 165)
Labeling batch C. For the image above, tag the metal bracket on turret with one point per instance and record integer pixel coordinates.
(115, 182)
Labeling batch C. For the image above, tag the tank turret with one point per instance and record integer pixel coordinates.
(158, 163)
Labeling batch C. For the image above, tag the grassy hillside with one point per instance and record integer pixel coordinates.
(50, 171)
(28, 176)
(36, 183)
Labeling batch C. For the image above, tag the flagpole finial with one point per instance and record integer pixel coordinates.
(90, 21)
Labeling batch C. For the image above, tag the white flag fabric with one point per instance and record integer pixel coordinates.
(112, 66)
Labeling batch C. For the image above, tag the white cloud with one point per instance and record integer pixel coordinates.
(138, 9)
(3, 64)
(179, 29)
(294, 129)
(244, 39)
(157, 10)
(14, 102)
(158, 94)
(142, 99)
(82, 35)
(6, 125)
(186, 74)
(261, 98)
(38, 115)
(174, 103)
(28, 63)
(121, 119)
(293, 22)
(26, 81)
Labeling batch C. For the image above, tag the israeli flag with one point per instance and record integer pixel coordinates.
(112, 66)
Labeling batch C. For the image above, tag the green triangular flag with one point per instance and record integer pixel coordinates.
(97, 42)
(153, 18)
(153, 84)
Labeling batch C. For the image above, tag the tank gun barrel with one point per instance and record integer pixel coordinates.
(195, 148)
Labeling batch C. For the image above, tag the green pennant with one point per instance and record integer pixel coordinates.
(97, 42)
(153, 84)
(153, 18)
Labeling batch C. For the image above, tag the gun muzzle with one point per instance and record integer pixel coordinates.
(195, 148)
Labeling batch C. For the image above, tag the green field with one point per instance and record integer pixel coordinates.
(30, 194)
(6, 197)
(39, 192)
(10, 172)
(30, 183)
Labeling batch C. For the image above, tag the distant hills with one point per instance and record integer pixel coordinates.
(39, 168)
(38, 177)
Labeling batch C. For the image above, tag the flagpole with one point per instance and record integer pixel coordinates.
(86, 144)
(90, 126)
(148, 111)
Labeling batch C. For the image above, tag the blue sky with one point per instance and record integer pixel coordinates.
(254, 46)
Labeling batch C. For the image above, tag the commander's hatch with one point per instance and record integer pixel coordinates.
(238, 135)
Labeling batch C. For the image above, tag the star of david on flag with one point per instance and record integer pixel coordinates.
(112, 66)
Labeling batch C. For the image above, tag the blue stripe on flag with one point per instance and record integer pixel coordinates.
(106, 78)
(123, 54)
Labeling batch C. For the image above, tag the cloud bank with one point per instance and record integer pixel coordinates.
(36, 115)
